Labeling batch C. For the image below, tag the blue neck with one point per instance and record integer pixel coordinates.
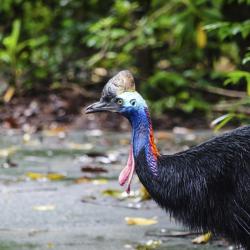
(142, 137)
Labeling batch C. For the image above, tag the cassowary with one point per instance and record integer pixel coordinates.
(206, 187)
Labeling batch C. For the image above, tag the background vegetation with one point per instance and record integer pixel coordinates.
(187, 55)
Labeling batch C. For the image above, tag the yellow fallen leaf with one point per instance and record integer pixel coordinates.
(35, 176)
(203, 239)
(89, 180)
(55, 176)
(42, 208)
(140, 221)
(9, 94)
(113, 193)
(49, 176)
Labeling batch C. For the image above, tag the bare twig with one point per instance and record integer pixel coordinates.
(228, 107)
(221, 91)
(226, 92)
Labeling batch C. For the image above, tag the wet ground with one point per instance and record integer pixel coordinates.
(59, 190)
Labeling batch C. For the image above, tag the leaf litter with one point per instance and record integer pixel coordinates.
(203, 239)
(139, 221)
(91, 169)
(45, 176)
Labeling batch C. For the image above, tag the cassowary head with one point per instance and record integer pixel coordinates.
(119, 95)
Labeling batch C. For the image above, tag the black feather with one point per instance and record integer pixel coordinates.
(207, 187)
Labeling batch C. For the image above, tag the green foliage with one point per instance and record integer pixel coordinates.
(177, 49)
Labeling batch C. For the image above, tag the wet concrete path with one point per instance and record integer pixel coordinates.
(76, 209)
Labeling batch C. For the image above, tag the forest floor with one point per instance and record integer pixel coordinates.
(65, 108)
(59, 190)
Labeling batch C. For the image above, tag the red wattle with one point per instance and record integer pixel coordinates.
(126, 174)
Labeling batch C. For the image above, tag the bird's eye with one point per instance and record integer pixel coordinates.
(133, 102)
(119, 101)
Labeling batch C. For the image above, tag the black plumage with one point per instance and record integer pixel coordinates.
(207, 187)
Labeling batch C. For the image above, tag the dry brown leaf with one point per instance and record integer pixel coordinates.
(91, 169)
(140, 221)
(203, 239)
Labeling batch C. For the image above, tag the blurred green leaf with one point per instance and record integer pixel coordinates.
(172, 47)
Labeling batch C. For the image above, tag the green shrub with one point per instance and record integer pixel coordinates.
(183, 53)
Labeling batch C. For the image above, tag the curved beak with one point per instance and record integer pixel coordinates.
(101, 106)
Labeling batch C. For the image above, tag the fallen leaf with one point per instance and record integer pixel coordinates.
(9, 94)
(140, 221)
(203, 239)
(89, 180)
(82, 180)
(35, 176)
(42, 208)
(93, 169)
(55, 176)
(49, 176)
(113, 193)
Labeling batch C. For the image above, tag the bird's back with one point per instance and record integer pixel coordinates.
(210, 185)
